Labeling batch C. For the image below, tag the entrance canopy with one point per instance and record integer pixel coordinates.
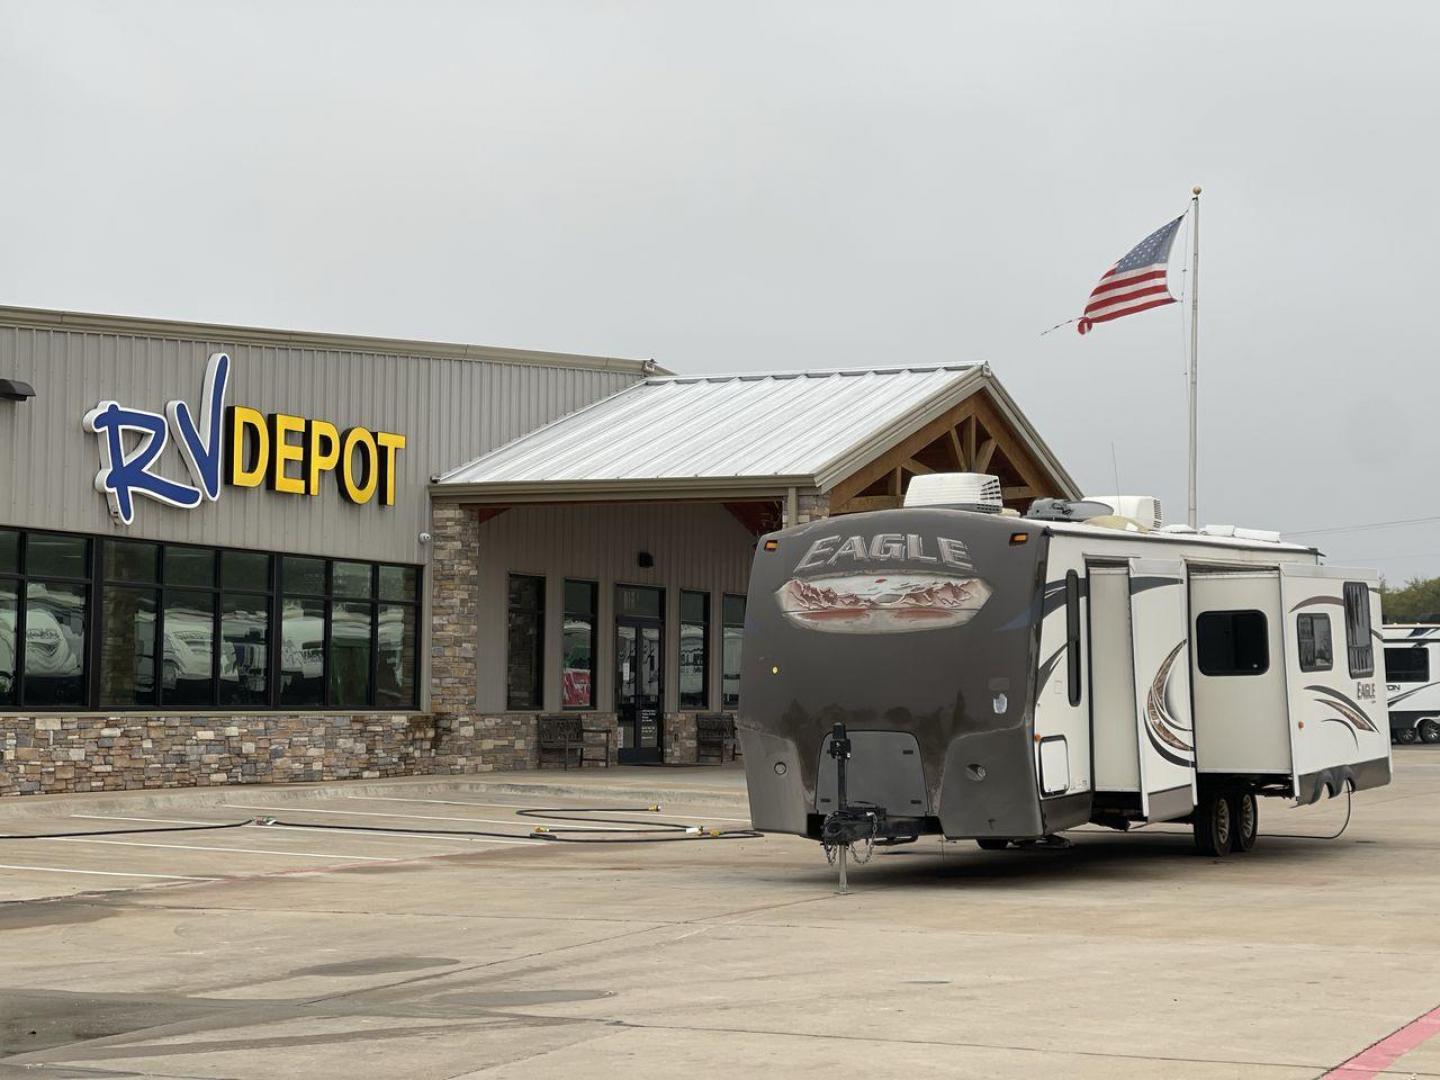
(856, 436)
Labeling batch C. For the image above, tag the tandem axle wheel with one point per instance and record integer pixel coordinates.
(1226, 821)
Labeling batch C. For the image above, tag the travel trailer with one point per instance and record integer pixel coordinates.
(1412, 693)
(967, 672)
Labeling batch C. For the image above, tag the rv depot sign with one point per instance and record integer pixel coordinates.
(237, 444)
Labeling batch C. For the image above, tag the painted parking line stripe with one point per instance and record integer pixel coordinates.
(1379, 1057)
(408, 817)
(157, 820)
(225, 850)
(102, 873)
(461, 802)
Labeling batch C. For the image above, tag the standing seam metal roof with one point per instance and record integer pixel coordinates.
(746, 427)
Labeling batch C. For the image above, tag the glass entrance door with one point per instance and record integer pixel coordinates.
(639, 683)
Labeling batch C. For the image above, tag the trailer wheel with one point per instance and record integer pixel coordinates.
(1213, 824)
(1430, 730)
(1245, 820)
(1407, 736)
(992, 843)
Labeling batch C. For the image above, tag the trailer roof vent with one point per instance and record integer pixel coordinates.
(1068, 510)
(956, 491)
(1142, 508)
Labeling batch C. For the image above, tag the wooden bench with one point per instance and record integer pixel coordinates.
(567, 736)
(714, 735)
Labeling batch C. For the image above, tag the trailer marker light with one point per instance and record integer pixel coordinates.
(771, 545)
(775, 669)
(1019, 537)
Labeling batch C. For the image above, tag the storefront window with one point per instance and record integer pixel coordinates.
(577, 674)
(694, 650)
(48, 614)
(189, 628)
(734, 632)
(525, 644)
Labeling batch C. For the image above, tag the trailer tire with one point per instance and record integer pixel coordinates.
(1244, 820)
(1407, 736)
(992, 843)
(1430, 730)
(1213, 824)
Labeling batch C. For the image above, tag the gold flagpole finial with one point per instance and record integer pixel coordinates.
(1195, 190)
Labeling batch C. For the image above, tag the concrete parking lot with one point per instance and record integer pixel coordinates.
(301, 950)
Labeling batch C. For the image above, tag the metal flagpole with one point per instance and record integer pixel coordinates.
(1194, 347)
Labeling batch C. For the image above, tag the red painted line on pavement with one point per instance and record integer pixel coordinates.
(1379, 1057)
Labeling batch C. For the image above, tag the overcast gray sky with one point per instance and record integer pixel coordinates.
(739, 186)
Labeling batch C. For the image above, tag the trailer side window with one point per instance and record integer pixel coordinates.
(1409, 664)
(1312, 632)
(1072, 635)
(1233, 642)
(1359, 648)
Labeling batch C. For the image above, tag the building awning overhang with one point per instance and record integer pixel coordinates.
(769, 436)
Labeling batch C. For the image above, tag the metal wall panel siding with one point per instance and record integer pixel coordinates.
(696, 546)
(450, 410)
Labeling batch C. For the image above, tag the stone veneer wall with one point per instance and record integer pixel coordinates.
(45, 754)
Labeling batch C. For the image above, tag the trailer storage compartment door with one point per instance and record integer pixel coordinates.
(1158, 633)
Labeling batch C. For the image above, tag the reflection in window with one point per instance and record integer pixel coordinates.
(349, 654)
(1359, 649)
(302, 653)
(577, 672)
(395, 669)
(127, 647)
(244, 650)
(694, 650)
(1313, 636)
(733, 633)
(187, 663)
(9, 620)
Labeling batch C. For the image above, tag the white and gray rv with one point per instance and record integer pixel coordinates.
(949, 668)
(1412, 692)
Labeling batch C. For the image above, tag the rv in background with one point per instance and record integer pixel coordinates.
(1413, 694)
(1004, 678)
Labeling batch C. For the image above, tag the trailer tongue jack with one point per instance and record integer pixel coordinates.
(848, 825)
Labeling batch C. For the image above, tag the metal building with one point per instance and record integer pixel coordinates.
(231, 555)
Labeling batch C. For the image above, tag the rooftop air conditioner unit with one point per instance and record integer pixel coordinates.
(956, 491)
(1142, 508)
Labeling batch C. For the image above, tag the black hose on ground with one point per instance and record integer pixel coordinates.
(673, 831)
(126, 832)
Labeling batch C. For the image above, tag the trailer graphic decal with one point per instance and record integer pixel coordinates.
(1350, 712)
(895, 603)
(1166, 732)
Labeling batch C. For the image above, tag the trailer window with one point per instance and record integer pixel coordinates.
(1072, 635)
(1410, 664)
(1359, 648)
(1312, 632)
(1233, 642)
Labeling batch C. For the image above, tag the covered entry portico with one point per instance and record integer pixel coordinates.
(597, 567)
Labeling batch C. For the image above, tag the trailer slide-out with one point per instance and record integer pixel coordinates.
(1003, 678)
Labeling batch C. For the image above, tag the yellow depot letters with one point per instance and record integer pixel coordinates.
(289, 454)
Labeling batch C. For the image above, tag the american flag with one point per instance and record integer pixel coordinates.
(1135, 283)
